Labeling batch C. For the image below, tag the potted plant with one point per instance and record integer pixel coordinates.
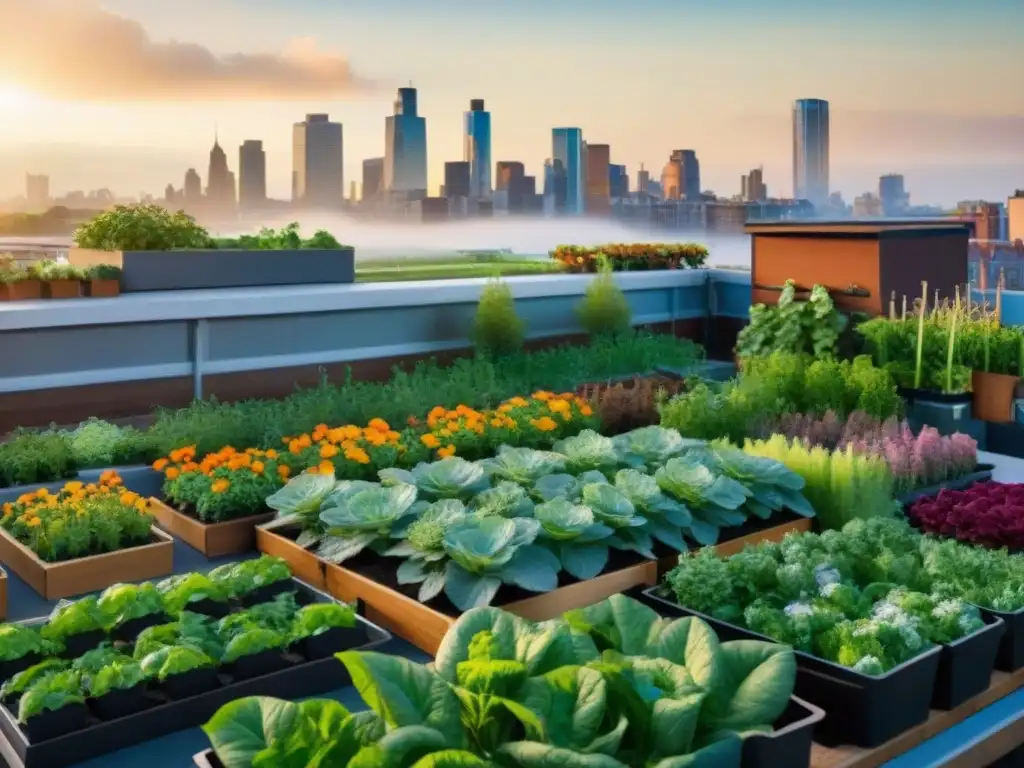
(131, 608)
(256, 651)
(53, 706)
(20, 648)
(118, 689)
(102, 280)
(194, 592)
(79, 625)
(255, 581)
(16, 284)
(321, 629)
(59, 281)
(15, 688)
(181, 670)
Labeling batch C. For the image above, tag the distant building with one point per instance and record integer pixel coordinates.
(170, 195)
(567, 154)
(811, 129)
(405, 148)
(477, 149)
(752, 187)
(458, 179)
(193, 189)
(988, 219)
(318, 177)
(893, 194)
(618, 182)
(252, 175)
(598, 160)
(555, 187)
(373, 178)
(1015, 217)
(515, 185)
(680, 179)
(643, 180)
(220, 182)
(37, 192)
(867, 206)
(506, 171)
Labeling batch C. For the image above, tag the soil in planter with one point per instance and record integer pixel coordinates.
(209, 607)
(82, 643)
(384, 571)
(121, 702)
(130, 629)
(53, 723)
(191, 683)
(267, 592)
(9, 669)
(334, 640)
(258, 664)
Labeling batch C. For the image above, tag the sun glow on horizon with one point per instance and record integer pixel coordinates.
(13, 96)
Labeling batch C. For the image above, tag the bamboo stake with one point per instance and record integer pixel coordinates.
(920, 334)
(904, 307)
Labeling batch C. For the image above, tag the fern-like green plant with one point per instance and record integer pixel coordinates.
(497, 327)
(604, 309)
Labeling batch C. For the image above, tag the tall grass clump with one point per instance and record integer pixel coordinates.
(497, 327)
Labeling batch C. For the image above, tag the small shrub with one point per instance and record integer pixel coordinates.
(141, 227)
(625, 406)
(604, 309)
(497, 328)
(35, 458)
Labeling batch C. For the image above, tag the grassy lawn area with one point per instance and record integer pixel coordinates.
(392, 270)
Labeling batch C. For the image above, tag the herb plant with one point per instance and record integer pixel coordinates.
(812, 327)
(497, 327)
(604, 309)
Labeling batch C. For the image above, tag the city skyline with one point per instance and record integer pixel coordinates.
(956, 134)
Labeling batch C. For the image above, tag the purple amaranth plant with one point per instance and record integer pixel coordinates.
(916, 460)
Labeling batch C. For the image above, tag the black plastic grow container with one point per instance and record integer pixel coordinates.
(1010, 656)
(863, 710)
(965, 666)
(789, 744)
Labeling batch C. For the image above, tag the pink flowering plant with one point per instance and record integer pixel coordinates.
(916, 460)
(988, 514)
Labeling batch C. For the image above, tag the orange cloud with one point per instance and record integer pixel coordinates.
(74, 50)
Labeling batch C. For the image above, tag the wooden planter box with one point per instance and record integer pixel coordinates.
(198, 269)
(21, 291)
(993, 395)
(88, 574)
(233, 537)
(278, 540)
(61, 289)
(425, 627)
(732, 546)
(3, 594)
(101, 288)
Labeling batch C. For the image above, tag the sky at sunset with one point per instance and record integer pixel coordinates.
(127, 93)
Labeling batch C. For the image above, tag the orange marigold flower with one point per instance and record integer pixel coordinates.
(220, 486)
(586, 410)
(558, 406)
(327, 451)
(128, 498)
(283, 471)
(497, 423)
(257, 467)
(172, 473)
(357, 455)
(430, 440)
(294, 446)
(542, 396)
(142, 505)
(453, 426)
(159, 464)
(35, 522)
(271, 454)
(42, 493)
(544, 424)
(448, 450)
(326, 468)
(189, 466)
(379, 424)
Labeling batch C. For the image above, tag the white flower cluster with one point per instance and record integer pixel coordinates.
(869, 665)
(825, 574)
(886, 613)
(796, 609)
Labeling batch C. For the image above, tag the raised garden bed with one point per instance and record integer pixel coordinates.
(189, 703)
(3, 594)
(141, 479)
(191, 269)
(280, 541)
(981, 473)
(868, 710)
(372, 582)
(232, 537)
(88, 574)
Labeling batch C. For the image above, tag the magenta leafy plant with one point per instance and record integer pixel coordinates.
(989, 514)
(916, 460)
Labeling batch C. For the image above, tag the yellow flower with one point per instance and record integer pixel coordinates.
(42, 493)
(220, 486)
(379, 425)
(448, 450)
(558, 406)
(542, 396)
(497, 423)
(453, 426)
(8, 509)
(142, 505)
(128, 498)
(74, 486)
(35, 522)
(544, 424)
(430, 440)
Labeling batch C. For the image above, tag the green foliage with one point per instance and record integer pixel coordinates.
(35, 458)
(174, 660)
(18, 641)
(48, 269)
(94, 443)
(811, 327)
(103, 272)
(73, 617)
(317, 618)
(181, 590)
(248, 575)
(497, 327)
(604, 309)
(25, 679)
(116, 676)
(123, 602)
(50, 693)
(141, 227)
(287, 238)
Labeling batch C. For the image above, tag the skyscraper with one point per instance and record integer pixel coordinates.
(643, 180)
(555, 186)
(567, 151)
(752, 187)
(598, 181)
(618, 182)
(318, 176)
(405, 148)
(220, 182)
(477, 150)
(252, 175)
(893, 194)
(373, 178)
(680, 178)
(811, 150)
(37, 192)
(458, 179)
(193, 189)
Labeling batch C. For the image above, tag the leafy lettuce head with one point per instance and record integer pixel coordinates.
(488, 543)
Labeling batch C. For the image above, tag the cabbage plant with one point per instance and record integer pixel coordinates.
(523, 466)
(504, 500)
(666, 519)
(613, 509)
(486, 552)
(299, 501)
(574, 535)
(648, 448)
(772, 485)
(365, 518)
(423, 548)
(450, 478)
(714, 500)
(587, 451)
